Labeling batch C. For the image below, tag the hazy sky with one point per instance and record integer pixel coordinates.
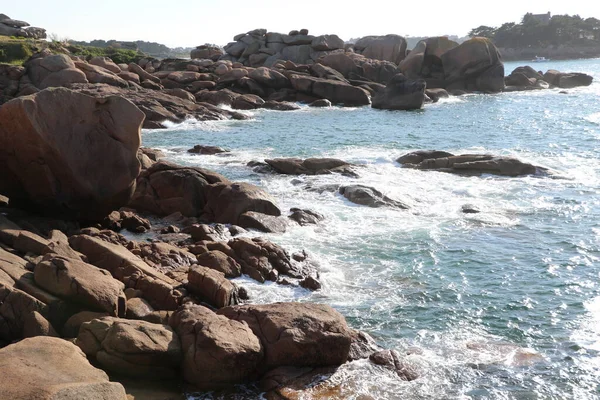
(191, 23)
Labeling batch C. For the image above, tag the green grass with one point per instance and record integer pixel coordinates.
(18, 50)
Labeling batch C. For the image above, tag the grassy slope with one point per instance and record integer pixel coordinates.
(18, 50)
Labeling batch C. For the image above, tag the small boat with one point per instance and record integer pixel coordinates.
(539, 59)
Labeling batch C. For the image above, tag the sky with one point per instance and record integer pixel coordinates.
(192, 23)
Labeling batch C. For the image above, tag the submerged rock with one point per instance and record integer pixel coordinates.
(368, 196)
(310, 166)
(208, 150)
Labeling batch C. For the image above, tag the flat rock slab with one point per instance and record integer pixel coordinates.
(470, 164)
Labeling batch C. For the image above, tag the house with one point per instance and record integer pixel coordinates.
(542, 18)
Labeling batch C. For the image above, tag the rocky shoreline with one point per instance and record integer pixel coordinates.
(82, 300)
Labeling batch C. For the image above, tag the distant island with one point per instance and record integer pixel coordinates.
(545, 35)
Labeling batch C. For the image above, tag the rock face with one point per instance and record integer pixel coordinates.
(217, 351)
(296, 334)
(368, 196)
(259, 48)
(333, 90)
(82, 163)
(49, 368)
(386, 48)
(81, 283)
(470, 164)
(132, 348)
(475, 65)
(401, 94)
(425, 62)
(356, 66)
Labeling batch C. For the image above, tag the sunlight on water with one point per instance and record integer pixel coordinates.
(501, 304)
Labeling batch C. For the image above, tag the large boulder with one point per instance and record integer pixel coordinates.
(470, 164)
(296, 334)
(567, 80)
(81, 283)
(82, 163)
(217, 351)
(357, 66)
(132, 348)
(166, 188)
(386, 48)
(269, 77)
(97, 74)
(401, 93)
(474, 65)
(45, 368)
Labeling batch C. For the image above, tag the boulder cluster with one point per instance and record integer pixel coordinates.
(75, 292)
(13, 27)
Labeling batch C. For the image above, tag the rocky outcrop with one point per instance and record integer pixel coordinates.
(204, 52)
(567, 80)
(166, 188)
(296, 334)
(401, 94)
(333, 90)
(474, 65)
(50, 368)
(80, 164)
(368, 196)
(81, 283)
(125, 266)
(261, 48)
(132, 348)
(386, 48)
(217, 351)
(356, 66)
(310, 166)
(158, 106)
(13, 27)
(470, 164)
(424, 61)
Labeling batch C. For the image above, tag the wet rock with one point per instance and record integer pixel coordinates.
(208, 150)
(392, 360)
(470, 209)
(471, 164)
(216, 232)
(335, 91)
(296, 334)
(436, 94)
(368, 196)
(363, 345)
(310, 166)
(262, 222)
(418, 156)
(310, 283)
(132, 348)
(48, 368)
(401, 93)
(306, 217)
(280, 106)
(320, 103)
(218, 351)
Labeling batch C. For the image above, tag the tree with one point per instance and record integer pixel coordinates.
(483, 31)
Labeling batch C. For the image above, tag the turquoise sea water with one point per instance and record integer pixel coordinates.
(504, 304)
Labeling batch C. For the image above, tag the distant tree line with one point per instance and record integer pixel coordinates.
(153, 49)
(537, 32)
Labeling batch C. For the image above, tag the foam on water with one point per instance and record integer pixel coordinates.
(501, 304)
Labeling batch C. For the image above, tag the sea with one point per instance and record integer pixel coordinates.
(501, 304)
